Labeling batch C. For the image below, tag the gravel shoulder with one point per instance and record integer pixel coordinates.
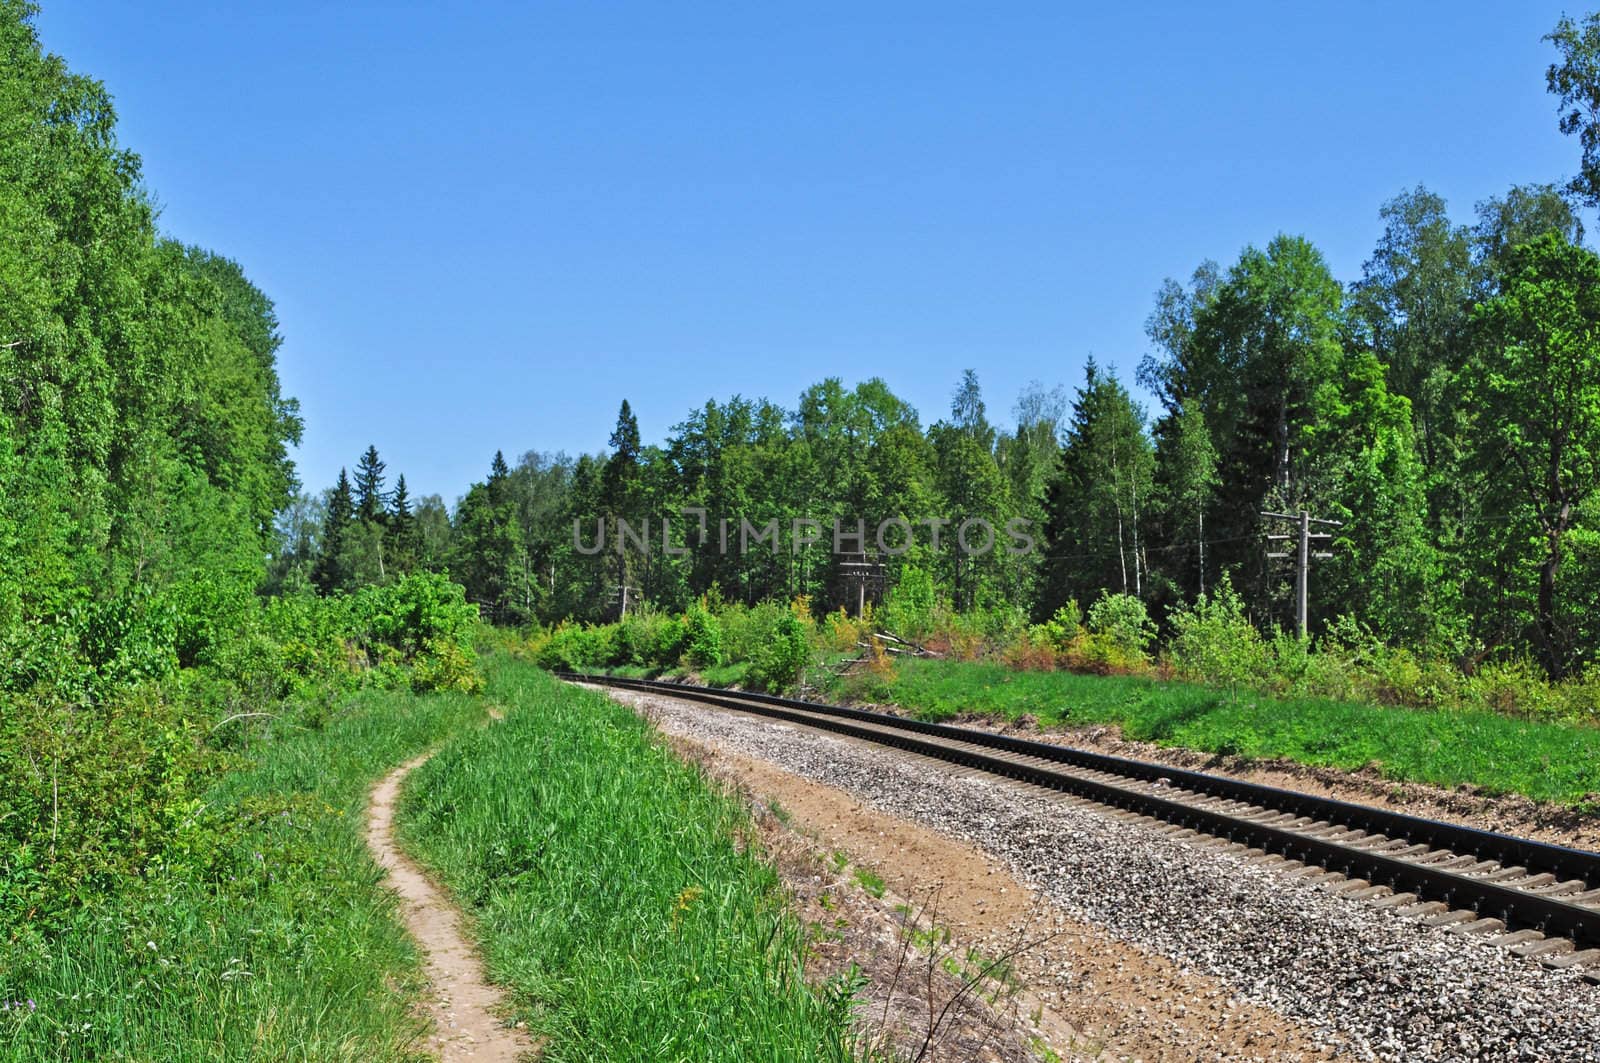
(1506, 813)
(1338, 974)
(1079, 992)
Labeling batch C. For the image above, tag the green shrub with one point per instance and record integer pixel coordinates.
(671, 641)
(747, 630)
(908, 610)
(1124, 623)
(649, 638)
(702, 638)
(1061, 630)
(93, 797)
(446, 666)
(411, 612)
(780, 663)
(578, 648)
(1513, 687)
(127, 639)
(1214, 642)
(210, 613)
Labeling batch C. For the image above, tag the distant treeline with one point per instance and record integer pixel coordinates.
(1443, 408)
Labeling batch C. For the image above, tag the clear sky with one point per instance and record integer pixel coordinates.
(484, 224)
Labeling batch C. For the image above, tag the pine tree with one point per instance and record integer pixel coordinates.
(489, 557)
(1186, 483)
(1095, 508)
(619, 487)
(499, 475)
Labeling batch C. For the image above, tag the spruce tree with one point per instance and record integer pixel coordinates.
(499, 474)
(370, 500)
(403, 536)
(619, 487)
(330, 575)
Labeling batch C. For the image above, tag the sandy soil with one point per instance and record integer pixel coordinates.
(1083, 993)
(463, 1005)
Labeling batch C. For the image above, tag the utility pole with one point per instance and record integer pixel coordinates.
(1303, 556)
(861, 575)
(621, 599)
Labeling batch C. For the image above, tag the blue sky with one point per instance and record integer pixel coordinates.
(485, 224)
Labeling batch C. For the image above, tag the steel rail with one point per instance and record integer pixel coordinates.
(1518, 908)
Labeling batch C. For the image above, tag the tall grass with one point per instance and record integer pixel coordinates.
(613, 888)
(1545, 760)
(268, 938)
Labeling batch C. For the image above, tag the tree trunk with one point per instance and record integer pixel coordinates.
(1549, 644)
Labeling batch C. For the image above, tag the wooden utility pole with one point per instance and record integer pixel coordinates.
(1303, 556)
(621, 599)
(861, 575)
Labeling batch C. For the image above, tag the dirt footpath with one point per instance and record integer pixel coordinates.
(463, 1005)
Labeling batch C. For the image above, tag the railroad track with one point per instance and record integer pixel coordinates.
(1538, 899)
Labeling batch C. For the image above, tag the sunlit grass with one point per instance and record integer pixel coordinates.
(610, 887)
(1547, 761)
(276, 942)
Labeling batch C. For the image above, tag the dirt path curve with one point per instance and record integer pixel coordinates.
(460, 1000)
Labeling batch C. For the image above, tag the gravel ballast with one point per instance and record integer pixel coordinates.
(1381, 984)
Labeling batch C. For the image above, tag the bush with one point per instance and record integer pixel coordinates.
(650, 639)
(93, 797)
(672, 640)
(1124, 623)
(781, 662)
(908, 610)
(446, 666)
(1034, 651)
(411, 612)
(1513, 687)
(1062, 630)
(843, 633)
(576, 648)
(746, 630)
(1214, 642)
(702, 638)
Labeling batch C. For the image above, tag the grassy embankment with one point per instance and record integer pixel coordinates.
(612, 888)
(1545, 760)
(275, 942)
(607, 877)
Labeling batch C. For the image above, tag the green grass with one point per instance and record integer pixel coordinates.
(609, 888)
(1546, 761)
(273, 939)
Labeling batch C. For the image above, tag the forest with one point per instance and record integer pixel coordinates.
(1443, 408)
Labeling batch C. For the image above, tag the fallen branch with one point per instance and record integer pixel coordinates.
(242, 716)
(916, 648)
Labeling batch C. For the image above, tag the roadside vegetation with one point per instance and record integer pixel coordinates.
(182, 867)
(1346, 700)
(615, 890)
